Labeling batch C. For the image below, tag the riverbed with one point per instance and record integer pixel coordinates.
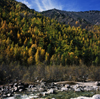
(57, 90)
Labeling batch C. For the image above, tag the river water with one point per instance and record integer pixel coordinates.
(22, 96)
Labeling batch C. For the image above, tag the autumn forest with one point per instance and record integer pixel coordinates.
(28, 38)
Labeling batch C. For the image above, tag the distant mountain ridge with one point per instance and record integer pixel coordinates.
(74, 18)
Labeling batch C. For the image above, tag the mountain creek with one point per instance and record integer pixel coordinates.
(53, 90)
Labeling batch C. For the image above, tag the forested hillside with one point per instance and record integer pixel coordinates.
(29, 38)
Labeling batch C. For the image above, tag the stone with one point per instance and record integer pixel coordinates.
(97, 96)
(50, 91)
(64, 89)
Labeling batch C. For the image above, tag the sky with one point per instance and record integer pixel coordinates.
(66, 5)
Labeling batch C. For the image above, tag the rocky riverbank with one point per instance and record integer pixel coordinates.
(43, 88)
(10, 89)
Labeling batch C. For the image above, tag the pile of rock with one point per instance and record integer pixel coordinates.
(43, 88)
(8, 90)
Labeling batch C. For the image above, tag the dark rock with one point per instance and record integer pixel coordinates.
(97, 83)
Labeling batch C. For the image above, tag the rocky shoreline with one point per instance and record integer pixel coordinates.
(43, 88)
(10, 89)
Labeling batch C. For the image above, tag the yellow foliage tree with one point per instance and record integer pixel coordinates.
(37, 56)
(76, 22)
(30, 52)
(4, 25)
(18, 35)
(47, 57)
(33, 45)
(25, 41)
(30, 60)
(42, 52)
(8, 41)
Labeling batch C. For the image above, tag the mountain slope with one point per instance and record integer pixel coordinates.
(29, 38)
(74, 18)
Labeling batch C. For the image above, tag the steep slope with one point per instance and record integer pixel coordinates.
(29, 38)
(74, 18)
